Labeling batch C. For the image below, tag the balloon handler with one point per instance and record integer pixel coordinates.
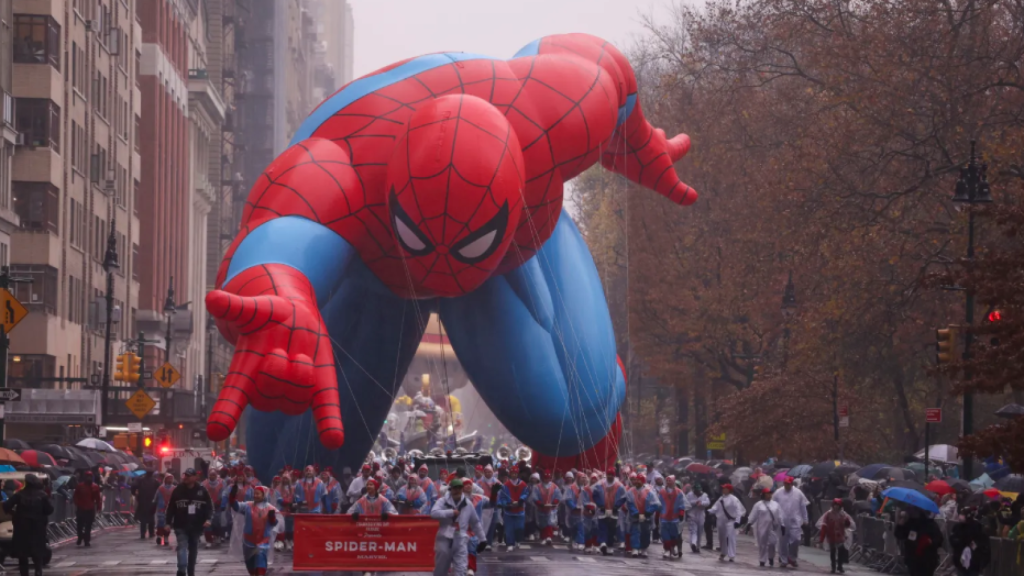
(436, 185)
(258, 529)
(458, 519)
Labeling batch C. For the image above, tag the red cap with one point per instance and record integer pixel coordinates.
(788, 480)
(727, 487)
(641, 478)
(766, 491)
(837, 501)
(366, 468)
(372, 481)
(611, 470)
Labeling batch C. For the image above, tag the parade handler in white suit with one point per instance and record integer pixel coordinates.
(730, 512)
(794, 517)
(457, 516)
(766, 519)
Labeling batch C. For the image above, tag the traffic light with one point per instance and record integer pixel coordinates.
(945, 344)
(147, 442)
(134, 365)
(994, 316)
(119, 371)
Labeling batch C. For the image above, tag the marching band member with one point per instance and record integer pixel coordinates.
(372, 504)
(512, 500)
(311, 492)
(214, 485)
(260, 520)
(609, 496)
(411, 499)
(641, 504)
(162, 498)
(673, 507)
(332, 492)
(545, 497)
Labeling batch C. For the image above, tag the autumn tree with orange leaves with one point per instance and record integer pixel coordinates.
(827, 141)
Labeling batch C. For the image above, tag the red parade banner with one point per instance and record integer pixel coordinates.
(336, 542)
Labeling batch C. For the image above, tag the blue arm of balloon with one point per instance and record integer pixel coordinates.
(313, 249)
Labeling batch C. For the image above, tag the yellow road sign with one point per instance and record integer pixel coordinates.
(140, 403)
(166, 375)
(11, 310)
(717, 442)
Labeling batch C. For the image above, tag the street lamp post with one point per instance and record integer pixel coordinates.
(972, 188)
(169, 309)
(110, 263)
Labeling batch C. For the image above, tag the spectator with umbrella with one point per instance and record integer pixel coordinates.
(917, 533)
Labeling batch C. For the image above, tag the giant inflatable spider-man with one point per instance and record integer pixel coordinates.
(436, 184)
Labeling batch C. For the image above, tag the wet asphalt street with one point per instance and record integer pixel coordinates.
(122, 552)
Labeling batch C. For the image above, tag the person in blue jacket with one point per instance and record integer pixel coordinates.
(512, 501)
(673, 509)
(641, 504)
(608, 496)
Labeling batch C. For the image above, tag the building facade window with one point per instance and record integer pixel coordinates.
(37, 205)
(41, 293)
(26, 370)
(36, 40)
(39, 120)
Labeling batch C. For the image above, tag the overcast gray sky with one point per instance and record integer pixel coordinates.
(391, 30)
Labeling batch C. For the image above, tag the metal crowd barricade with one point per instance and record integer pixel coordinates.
(1007, 558)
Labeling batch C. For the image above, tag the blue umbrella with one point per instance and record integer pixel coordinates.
(912, 497)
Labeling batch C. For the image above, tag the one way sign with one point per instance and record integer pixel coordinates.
(10, 394)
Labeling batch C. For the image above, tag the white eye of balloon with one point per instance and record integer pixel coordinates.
(482, 243)
(478, 247)
(407, 236)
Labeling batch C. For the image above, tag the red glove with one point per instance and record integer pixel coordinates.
(283, 358)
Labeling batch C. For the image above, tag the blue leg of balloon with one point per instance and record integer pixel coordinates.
(375, 335)
(539, 347)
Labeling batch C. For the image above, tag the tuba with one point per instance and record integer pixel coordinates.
(437, 452)
(413, 454)
(390, 454)
(523, 454)
(461, 451)
(370, 458)
(504, 452)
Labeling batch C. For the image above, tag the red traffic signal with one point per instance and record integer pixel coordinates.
(995, 316)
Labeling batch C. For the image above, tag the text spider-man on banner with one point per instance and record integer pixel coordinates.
(338, 543)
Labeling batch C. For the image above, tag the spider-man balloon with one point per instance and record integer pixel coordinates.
(436, 184)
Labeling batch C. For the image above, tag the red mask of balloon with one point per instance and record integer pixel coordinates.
(455, 184)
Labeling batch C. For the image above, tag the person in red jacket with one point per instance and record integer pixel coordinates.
(88, 499)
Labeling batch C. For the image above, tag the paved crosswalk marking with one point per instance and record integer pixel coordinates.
(64, 565)
(159, 562)
(585, 559)
(540, 558)
(524, 546)
(111, 563)
(208, 561)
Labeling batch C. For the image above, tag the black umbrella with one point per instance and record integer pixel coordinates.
(823, 469)
(58, 452)
(91, 458)
(959, 484)
(913, 485)
(1011, 483)
(1010, 411)
(15, 444)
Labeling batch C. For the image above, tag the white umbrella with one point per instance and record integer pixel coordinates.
(96, 444)
(943, 453)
